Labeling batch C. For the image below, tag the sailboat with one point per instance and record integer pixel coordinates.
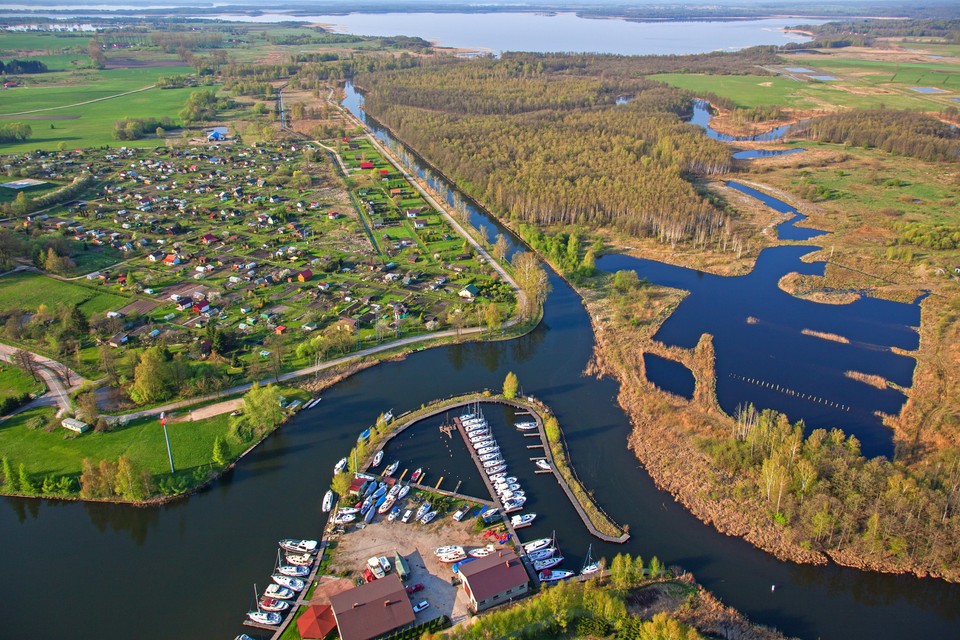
(589, 565)
(263, 617)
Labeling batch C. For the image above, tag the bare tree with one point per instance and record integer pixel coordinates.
(24, 360)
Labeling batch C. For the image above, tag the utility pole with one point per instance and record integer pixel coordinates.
(166, 436)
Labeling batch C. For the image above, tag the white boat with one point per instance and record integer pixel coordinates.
(271, 618)
(295, 584)
(589, 564)
(347, 510)
(404, 490)
(554, 575)
(448, 550)
(392, 468)
(543, 464)
(477, 440)
(406, 516)
(525, 520)
(276, 591)
(394, 514)
(461, 512)
(481, 552)
(506, 487)
(299, 559)
(394, 490)
(452, 557)
(344, 518)
(491, 449)
(298, 546)
(386, 506)
(496, 469)
(513, 504)
(540, 543)
(526, 426)
(340, 466)
(467, 416)
(541, 554)
(478, 434)
(547, 563)
(327, 501)
(378, 458)
(492, 462)
(272, 604)
(293, 570)
(427, 519)
(388, 416)
(490, 456)
(476, 428)
(423, 510)
(496, 477)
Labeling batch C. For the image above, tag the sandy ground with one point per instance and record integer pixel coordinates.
(416, 543)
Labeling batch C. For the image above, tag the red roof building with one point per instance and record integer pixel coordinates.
(500, 577)
(316, 622)
(372, 609)
(366, 164)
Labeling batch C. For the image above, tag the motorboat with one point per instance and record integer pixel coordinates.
(423, 510)
(364, 435)
(386, 506)
(404, 490)
(394, 514)
(406, 516)
(416, 474)
(378, 458)
(298, 546)
(452, 557)
(340, 466)
(506, 487)
(554, 575)
(492, 448)
(389, 471)
(539, 543)
(547, 563)
(493, 462)
(496, 469)
(525, 520)
(496, 477)
(272, 604)
(293, 570)
(243, 636)
(299, 559)
(541, 554)
(271, 618)
(327, 501)
(348, 510)
(344, 518)
(543, 464)
(481, 552)
(448, 550)
(388, 417)
(490, 456)
(381, 490)
(427, 519)
(276, 591)
(526, 426)
(513, 504)
(294, 584)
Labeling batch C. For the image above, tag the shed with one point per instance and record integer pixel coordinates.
(403, 570)
(118, 340)
(75, 425)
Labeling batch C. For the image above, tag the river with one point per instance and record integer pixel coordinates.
(187, 569)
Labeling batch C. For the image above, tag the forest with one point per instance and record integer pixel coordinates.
(905, 133)
(554, 139)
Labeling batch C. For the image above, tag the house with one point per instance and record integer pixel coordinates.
(333, 215)
(171, 259)
(218, 134)
(500, 577)
(156, 256)
(74, 425)
(419, 224)
(280, 329)
(372, 609)
(208, 238)
(200, 307)
(366, 164)
(305, 275)
(118, 340)
(469, 292)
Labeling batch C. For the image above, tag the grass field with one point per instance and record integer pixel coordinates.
(30, 290)
(14, 382)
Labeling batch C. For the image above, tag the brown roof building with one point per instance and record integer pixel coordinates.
(498, 578)
(372, 609)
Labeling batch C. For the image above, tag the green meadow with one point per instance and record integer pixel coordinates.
(30, 290)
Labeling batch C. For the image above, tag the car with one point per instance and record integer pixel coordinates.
(413, 588)
(420, 606)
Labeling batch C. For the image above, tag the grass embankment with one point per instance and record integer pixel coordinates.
(14, 382)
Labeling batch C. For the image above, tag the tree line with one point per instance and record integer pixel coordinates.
(18, 67)
(14, 132)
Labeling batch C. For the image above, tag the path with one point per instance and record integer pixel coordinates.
(52, 372)
(77, 104)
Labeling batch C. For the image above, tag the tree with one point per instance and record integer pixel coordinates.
(87, 407)
(500, 247)
(341, 483)
(625, 281)
(131, 482)
(274, 344)
(24, 480)
(220, 452)
(510, 385)
(152, 378)
(21, 204)
(493, 317)
(9, 479)
(95, 51)
(24, 361)
(532, 278)
(261, 408)
(552, 429)
(108, 364)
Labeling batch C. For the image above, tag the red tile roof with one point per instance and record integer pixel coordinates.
(372, 609)
(494, 574)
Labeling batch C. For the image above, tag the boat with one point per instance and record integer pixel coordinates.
(386, 506)
(543, 464)
(496, 477)
(513, 504)
(327, 501)
(422, 511)
(364, 435)
(272, 604)
(462, 511)
(525, 520)
(487, 457)
(276, 591)
(467, 416)
(388, 416)
(406, 516)
(540, 543)
(416, 474)
(371, 487)
(378, 458)
(369, 517)
(427, 519)
(394, 514)
(348, 510)
(480, 437)
(496, 469)
(448, 550)
(394, 490)
(366, 505)
(299, 559)
(452, 557)
(493, 462)
(476, 427)
(298, 546)
(554, 575)
(243, 636)
(404, 490)
(589, 564)
(293, 570)
(294, 584)
(547, 563)
(381, 491)
(340, 466)
(380, 502)
(389, 471)
(491, 449)
(478, 434)
(506, 487)
(481, 552)
(541, 554)
(271, 618)
(526, 426)
(344, 518)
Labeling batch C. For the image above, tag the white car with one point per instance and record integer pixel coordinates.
(423, 604)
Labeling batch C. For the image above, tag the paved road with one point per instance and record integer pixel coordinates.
(50, 370)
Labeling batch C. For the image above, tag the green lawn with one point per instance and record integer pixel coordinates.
(14, 382)
(30, 290)
(14, 44)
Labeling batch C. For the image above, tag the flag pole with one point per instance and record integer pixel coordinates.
(163, 423)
